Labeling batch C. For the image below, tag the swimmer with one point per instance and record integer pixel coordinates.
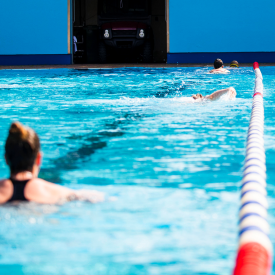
(234, 64)
(216, 95)
(219, 69)
(23, 156)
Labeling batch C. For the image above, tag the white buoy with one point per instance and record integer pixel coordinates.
(255, 247)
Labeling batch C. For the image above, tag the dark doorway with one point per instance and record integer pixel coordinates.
(119, 31)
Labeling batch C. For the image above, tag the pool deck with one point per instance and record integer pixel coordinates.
(118, 65)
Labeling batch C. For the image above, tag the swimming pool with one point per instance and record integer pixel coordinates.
(174, 167)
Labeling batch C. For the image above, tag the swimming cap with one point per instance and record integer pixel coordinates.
(234, 64)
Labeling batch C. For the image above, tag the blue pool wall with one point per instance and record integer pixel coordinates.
(34, 32)
(201, 31)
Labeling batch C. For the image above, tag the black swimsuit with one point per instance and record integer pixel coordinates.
(18, 190)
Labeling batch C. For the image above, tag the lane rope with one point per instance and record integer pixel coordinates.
(255, 248)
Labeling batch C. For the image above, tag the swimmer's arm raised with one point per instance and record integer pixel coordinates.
(216, 95)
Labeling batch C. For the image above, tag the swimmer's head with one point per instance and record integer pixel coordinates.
(21, 149)
(234, 64)
(197, 96)
(218, 63)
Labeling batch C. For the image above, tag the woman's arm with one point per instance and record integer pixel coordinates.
(216, 95)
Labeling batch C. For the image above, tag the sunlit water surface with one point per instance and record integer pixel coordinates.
(174, 167)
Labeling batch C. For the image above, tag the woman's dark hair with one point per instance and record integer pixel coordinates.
(218, 63)
(21, 149)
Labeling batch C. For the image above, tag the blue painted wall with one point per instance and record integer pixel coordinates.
(33, 27)
(198, 26)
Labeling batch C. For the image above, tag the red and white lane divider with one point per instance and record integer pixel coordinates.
(255, 248)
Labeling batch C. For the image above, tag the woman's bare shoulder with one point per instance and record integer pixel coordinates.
(5, 190)
(50, 186)
(42, 182)
(5, 184)
(40, 185)
(64, 193)
(43, 191)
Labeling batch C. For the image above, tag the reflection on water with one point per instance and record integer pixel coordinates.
(90, 143)
(175, 168)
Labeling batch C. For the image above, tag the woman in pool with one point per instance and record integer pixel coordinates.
(231, 92)
(23, 156)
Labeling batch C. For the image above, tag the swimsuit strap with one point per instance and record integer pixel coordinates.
(18, 190)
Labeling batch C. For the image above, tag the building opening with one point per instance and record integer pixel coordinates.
(119, 31)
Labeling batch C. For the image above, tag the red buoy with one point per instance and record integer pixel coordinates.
(256, 65)
(252, 259)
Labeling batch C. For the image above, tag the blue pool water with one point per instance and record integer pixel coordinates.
(174, 167)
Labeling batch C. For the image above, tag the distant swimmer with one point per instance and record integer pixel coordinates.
(219, 69)
(234, 64)
(23, 156)
(230, 92)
